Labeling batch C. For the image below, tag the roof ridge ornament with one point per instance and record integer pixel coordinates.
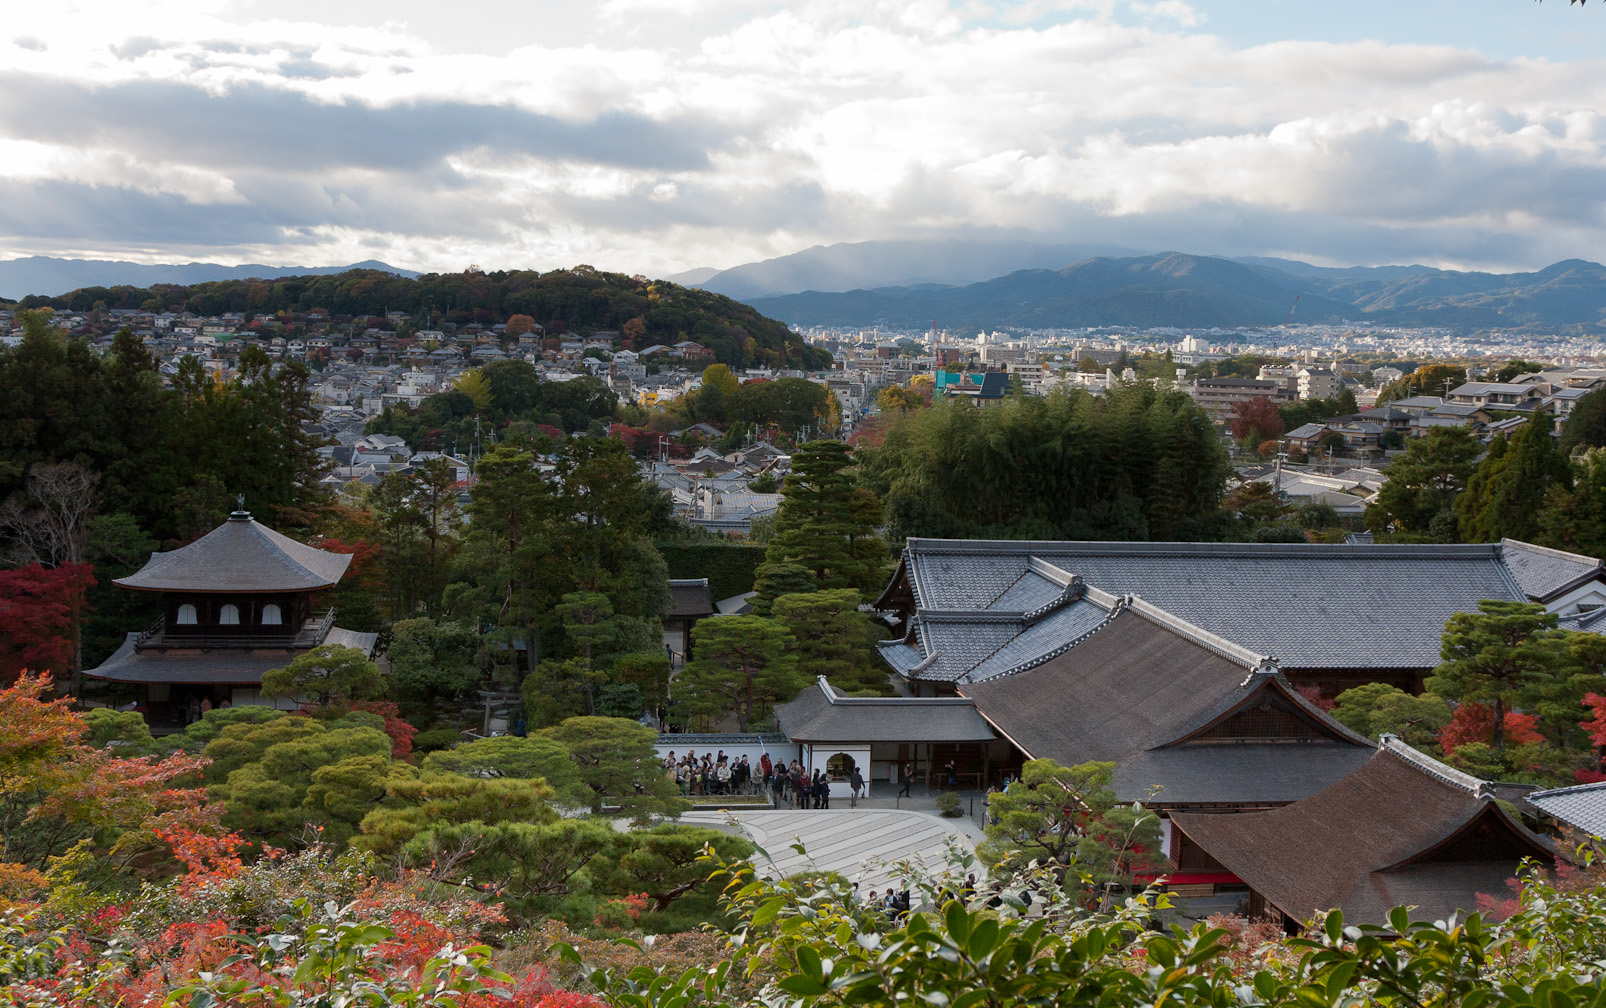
(239, 513)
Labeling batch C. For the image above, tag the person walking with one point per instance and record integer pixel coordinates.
(855, 785)
(908, 773)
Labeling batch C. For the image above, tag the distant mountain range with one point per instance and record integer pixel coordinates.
(49, 276)
(871, 264)
(1177, 289)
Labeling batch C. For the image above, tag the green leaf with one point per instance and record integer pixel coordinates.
(802, 986)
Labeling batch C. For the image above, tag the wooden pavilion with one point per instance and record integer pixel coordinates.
(238, 602)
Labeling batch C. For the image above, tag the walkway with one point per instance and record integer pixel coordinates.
(844, 840)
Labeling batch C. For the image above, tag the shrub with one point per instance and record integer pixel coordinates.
(948, 804)
(436, 738)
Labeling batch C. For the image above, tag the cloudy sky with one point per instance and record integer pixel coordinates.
(658, 135)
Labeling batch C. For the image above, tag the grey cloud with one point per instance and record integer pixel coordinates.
(252, 123)
(134, 48)
(312, 69)
(29, 42)
(65, 214)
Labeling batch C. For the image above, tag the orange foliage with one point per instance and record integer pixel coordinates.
(1475, 723)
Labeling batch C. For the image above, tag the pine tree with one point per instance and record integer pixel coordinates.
(1496, 655)
(1425, 481)
(1514, 485)
(818, 525)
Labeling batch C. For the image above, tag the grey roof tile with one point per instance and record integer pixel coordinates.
(1056, 631)
(1307, 605)
(240, 555)
(1582, 807)
(819, 714)
(1541, 571)
(1026, 594)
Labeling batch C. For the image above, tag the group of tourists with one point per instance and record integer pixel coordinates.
(894, 903)
(709, 775)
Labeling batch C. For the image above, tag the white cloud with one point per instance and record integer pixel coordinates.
(659, 136)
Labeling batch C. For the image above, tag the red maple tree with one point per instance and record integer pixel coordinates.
(1473, 722)
(40, 610)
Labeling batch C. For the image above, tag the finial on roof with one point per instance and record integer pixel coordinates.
(240, 513)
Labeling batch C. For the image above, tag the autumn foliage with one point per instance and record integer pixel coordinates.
(1474, 722)
(39, 608)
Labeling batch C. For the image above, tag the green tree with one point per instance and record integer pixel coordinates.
(1586, 424)
(1575, 519)
(1140, 461)
(212, 723)
(832, 639)
(1496, 656)
(531, 868)
(418, 804)
(417, 514)
(1423, 484)
(1376, 709)
(743, 666)
(328, 674)
(618, 763)
(519, 758)
(1429, 379)
(669, 862)
(431, 661)
(268, 769)
(1505, 498)
(1068, 816)
(340, 795)
(817, 523)
(772, 580)
(125, 732)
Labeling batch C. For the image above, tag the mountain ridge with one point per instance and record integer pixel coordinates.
(1183, 289)
(50, 276)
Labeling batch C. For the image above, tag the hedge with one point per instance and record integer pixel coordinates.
(728, 566)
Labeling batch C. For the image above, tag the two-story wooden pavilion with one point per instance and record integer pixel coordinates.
(238, 602)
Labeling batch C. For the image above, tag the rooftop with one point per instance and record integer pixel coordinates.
(1309, 606)
(821, 714)
(240, 556)
(1404, 829)
(1175, 708)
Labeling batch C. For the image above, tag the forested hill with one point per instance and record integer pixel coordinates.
(1190, 290)
(581, 300)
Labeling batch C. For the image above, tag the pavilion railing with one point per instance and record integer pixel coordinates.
(310, 634)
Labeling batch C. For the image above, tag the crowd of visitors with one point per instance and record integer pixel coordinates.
(790, 784)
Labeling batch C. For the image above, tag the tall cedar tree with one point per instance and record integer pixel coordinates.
(1586, 424)
(1511, 487)
(1424, 483)
(417, 512)
(1496, 655)
(818, 525)
(1575, 519)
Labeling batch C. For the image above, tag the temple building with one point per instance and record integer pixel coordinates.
(1331, 615)
(238, 602)
(1403, 830)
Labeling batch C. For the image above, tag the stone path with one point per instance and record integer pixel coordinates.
(844, 841)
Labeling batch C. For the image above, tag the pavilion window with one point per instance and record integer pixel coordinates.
(187, 615)
(229, 615)
(271, 616)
